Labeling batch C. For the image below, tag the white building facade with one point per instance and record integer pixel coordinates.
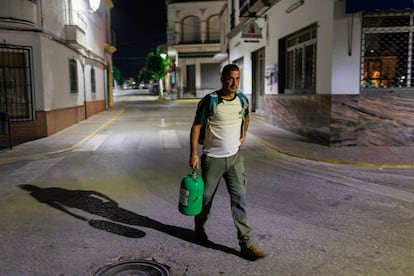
(55, 64)
(339, 72)
(194, 30)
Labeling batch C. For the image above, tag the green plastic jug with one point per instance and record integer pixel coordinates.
(191, 194)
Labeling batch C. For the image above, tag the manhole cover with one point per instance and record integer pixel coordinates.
(134, 268)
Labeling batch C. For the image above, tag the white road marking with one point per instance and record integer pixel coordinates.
(169, 139)
(93, 144)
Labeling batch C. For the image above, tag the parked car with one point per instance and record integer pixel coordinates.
(143, 85)
(154, 87)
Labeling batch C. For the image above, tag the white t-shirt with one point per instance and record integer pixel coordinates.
(223, 134)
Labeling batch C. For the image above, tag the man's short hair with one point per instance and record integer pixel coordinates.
(229, 67)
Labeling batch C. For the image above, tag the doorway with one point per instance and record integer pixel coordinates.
(258, 80)
(191, 79)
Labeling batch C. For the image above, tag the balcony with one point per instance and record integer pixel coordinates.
(19, 11)
(254, 6)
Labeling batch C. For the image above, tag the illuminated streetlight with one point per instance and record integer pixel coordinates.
(94, 4)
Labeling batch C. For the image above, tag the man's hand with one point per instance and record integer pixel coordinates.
(194, 161)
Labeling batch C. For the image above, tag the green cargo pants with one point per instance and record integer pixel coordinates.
(234, 174)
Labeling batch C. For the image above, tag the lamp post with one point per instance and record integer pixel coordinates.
(163, 56)
(94, 4)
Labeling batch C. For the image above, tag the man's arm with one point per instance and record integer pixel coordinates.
(245, 126)
(194, 135)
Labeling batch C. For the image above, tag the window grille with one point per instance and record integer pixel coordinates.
(73, 76)
(93, 80)
(387, 51)
(16, 90)
(301, 61)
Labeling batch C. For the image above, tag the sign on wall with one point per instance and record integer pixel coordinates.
(252, 32)
(271, 78)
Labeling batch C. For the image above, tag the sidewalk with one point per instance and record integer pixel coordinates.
(277, 139)
(65, 140)
(297, 146)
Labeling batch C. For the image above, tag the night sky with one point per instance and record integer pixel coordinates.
(139, 26)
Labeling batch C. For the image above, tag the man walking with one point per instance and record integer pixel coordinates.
(222, 118)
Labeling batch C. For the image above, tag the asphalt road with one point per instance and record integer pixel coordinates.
(115, 199)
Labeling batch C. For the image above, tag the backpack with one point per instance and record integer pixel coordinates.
(213, 109)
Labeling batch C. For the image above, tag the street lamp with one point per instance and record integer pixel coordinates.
(164, 57)
(94, 4)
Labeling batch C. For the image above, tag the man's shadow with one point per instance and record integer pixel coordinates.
(101, 205)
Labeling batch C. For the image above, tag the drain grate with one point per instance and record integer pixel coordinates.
(138, 268)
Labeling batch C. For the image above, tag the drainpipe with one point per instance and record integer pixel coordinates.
(83, 61)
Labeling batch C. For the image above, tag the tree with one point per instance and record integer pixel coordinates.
(144, 76)
(116, 74)
(157, 65)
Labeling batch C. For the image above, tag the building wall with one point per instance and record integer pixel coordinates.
(282, 24)
(187, 53)
(332, 42)
(346, 51)
(57, 31)
(201, 9)
(240, 50)
(346, 120)
(338, 114)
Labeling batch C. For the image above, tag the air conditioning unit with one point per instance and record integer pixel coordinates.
(75, 36)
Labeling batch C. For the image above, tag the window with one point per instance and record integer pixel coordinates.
(213, 29)
(73, 76)
(387, 51)
(16, 96)
(93, 81)
(300, 61)
(191, 30)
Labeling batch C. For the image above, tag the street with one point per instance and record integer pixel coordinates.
(115, 197)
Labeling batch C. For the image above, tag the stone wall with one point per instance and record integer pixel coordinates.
(379, 119)
(50, 122)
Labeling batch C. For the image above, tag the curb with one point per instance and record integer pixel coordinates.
(89, 136)
(332, 161)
